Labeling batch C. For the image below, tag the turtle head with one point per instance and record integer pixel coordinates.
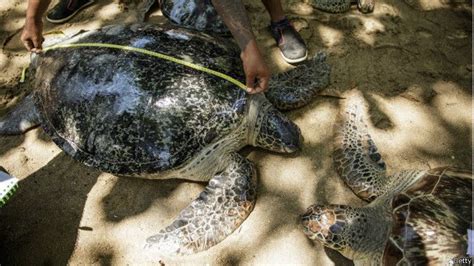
(275, 132)
(328, 224)
(348, 230)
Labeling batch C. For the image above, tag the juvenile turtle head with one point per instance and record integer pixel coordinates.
(275, 132)
(327, 224)
(357, 233)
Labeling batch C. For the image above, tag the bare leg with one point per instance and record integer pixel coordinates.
(275, 9)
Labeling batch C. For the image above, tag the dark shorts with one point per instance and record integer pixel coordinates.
(194, 14)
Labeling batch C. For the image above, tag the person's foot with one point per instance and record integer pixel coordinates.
(8, 186)
(64, 10)
(292, 47)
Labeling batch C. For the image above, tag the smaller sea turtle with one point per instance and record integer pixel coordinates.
(338, 6)
(414, 218)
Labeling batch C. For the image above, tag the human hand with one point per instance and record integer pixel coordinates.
(256, 71)
(32, 35)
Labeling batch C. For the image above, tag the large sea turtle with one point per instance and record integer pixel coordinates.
(415, 217)
(132, 114)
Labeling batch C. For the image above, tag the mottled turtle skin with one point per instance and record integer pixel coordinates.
(132, 114)
(338, 6)
(415, 217)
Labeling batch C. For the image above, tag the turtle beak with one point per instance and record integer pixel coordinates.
(278, 133)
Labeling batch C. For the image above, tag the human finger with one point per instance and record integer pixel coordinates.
(250, 82)
(28, 44)
(37, 42)
(263, 84)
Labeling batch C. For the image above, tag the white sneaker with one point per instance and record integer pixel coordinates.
(8, 186)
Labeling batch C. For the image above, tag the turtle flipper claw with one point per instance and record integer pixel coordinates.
(217, 212)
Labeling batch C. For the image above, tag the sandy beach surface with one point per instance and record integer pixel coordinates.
(410, 60)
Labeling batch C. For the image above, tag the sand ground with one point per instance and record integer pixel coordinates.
(410, 60)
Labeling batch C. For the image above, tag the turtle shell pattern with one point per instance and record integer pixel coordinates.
(130, 113)
(194, 14)
(431, 219)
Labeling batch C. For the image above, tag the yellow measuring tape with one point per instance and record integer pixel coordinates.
(147, 52)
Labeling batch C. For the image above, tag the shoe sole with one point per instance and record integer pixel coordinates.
(294, 61)
(8, 186)
(59, 21)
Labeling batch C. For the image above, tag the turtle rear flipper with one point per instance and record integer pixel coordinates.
(216, 213)
(356, 157)
(297, 87)
(21, 119)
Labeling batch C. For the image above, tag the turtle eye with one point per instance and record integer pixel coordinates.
(336, 228)
(372, 198)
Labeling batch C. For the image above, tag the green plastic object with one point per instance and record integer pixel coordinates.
(8, 186)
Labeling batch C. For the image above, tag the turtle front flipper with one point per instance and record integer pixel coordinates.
(21, 119)
(217, 212)
(356, 157)
(297, 87)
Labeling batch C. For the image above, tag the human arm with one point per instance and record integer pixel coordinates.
(32, 34)
(235, 17)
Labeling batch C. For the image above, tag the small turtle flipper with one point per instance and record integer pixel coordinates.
(298, 86)
(338, 6)
(21, 119)
(217, 212)
(332, 6)
(356, 157)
